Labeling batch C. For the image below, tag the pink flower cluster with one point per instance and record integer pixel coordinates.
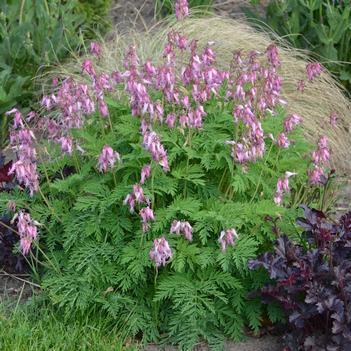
(313, 70)
(227, 237)
(181, 9)
(22, 141)
(160, 252)
(182, 227)
(319, 157)
(255, 89)
(282, 186)
(27, 231)
(153, 144)
(95, 48)
(107, 158)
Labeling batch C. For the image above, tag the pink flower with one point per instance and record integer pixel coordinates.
(182, 9)
(160, 252)
(316, 174)
(107, 158)
(278, 198)
(66, 145)
(95, 48)
(182, 227)
(26, 174)
(291, 121)
(146, 215)
(17, 120)
(313, 69)
(27, 231)
(88, 67)
(282, 186)
(283, 141)
(322, 154)
(170, 120)
(300, 85)
(103, 109)
(136, 196)
(31, 115)
(145, 173)
(333, 119)
(272, 55)
(227, 238)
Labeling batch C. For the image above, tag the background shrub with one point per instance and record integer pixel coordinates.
(323, 27)
(33, 36)
(96, 14)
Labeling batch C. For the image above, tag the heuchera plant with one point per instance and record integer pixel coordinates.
(312, 282)
(151, 205)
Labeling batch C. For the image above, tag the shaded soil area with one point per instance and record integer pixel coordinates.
(15, 287)
(140, 14)
(267, 343)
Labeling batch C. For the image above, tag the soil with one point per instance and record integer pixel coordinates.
(140, 14)
(267, 343)
(15, 287)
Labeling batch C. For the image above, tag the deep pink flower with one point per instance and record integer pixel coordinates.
(160, 252)
(227, 237)
(107, 158)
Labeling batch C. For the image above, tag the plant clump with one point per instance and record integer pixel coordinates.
(150, 206)
(311, 280)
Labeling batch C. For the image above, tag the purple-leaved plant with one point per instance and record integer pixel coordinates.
(312, 282)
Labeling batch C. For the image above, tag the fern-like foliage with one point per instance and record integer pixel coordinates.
(97, 255)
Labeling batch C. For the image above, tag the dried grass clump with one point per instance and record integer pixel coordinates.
(319, 99)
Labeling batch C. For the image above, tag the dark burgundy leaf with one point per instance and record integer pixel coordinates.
(4, 173)
(313, 284)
